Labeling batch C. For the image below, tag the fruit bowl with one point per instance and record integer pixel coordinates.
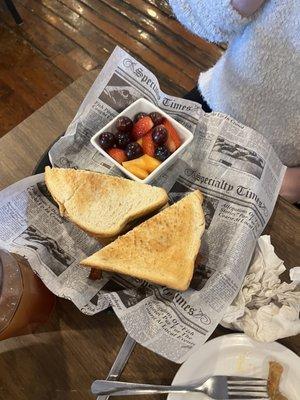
(142, 166)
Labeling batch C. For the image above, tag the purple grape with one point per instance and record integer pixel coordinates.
(159, 134)
(124, 124)
(133, 150)
(107, 140)
(139, 116)
(122, 139)
(157, 118)
(162, 153)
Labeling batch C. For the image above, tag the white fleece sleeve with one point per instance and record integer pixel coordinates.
(214, 20)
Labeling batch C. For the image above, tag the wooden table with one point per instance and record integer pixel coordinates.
(60, 361)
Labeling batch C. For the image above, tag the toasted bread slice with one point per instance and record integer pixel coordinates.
(100, 204)
(161, 250)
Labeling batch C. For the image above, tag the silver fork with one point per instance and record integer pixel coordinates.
(120, 362)
(216, 387)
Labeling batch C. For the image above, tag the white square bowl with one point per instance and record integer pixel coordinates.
(143, 105)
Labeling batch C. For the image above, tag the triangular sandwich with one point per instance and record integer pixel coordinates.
(161, 250)
(101, 204)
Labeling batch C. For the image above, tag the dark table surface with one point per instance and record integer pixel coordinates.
(64, 356)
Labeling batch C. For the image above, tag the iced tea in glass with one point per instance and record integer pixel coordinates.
(25, 301)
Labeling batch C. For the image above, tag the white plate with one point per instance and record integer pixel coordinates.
(237, 354)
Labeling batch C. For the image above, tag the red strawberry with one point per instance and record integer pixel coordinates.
(148, 144)
(141, 127)
(118, 154)
(170, 144)
(173, 141)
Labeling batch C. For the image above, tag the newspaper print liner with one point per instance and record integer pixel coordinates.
(235, 168)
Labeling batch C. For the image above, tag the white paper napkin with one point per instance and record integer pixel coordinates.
(266, 309)
(295, 274)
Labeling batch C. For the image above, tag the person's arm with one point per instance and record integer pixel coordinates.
(247, 7)
(214, 20)
(290, 188)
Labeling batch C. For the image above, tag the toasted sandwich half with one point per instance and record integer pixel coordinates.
(100, 204)
(161, 250)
